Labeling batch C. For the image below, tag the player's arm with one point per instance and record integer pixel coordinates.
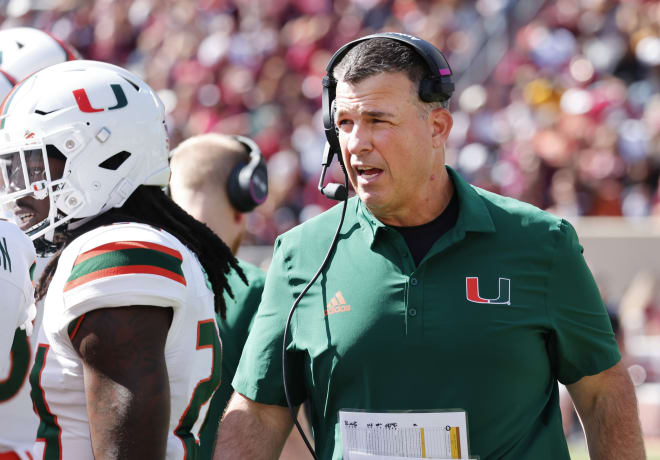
(252, 431)
(607, 407)
(126, 382)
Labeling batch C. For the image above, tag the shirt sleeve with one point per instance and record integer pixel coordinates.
(259, 373)
(583, 342)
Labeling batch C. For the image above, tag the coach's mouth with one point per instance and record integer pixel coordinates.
(368, 174)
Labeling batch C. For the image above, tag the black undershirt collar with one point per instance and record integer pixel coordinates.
(421, 238)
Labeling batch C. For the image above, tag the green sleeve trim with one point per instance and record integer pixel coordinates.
(612, 359)
(262, 395)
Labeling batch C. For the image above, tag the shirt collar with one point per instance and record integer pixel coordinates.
(473, 214)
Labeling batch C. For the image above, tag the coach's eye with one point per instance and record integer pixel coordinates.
(344, 124)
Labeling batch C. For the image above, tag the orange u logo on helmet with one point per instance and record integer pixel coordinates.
(86, 106)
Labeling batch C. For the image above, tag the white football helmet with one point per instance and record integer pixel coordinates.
(106, 122)
(24, 50)
(7, 82)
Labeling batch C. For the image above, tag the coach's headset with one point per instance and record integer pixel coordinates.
(247, 186)
(437, 87)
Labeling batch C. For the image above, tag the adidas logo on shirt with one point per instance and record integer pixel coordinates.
(336, 305)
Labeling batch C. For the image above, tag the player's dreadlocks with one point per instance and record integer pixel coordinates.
(150, 205)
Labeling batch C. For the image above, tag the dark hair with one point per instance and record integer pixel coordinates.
(380, 55)
(150, 205)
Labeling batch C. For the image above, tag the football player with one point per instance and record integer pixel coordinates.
(23, 50)
(17, 261)
(18, 423)
(129, 353)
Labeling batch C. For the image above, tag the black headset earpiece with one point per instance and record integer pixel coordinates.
(247, 186)
(437, 87)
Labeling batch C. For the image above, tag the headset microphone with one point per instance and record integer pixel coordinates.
(333, 191)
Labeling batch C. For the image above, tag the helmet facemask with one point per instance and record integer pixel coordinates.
(28, 192)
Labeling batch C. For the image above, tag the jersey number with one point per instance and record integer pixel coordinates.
(49, 430)
(207, 337)
(20, 363)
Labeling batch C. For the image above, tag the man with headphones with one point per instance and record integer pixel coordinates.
(437, 295)
(218, 178)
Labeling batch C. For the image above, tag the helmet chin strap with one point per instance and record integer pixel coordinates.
(42, 244)
(43, 233)
(44, 248)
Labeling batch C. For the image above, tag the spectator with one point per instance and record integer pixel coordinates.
(570, 87)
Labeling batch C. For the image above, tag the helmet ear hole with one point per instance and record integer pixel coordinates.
(115, 161)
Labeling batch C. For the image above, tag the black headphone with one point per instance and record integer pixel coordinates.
(247, 186)
(436, 88)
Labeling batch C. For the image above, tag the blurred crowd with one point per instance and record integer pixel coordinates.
(557, 102)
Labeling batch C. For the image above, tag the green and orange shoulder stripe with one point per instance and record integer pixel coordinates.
(126, 258)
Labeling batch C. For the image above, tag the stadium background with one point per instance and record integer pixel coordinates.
(557, 104)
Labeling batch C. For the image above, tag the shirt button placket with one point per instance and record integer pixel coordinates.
(414, 301)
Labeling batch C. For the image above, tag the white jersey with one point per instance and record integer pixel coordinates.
(117, 266)
(18, 422)
(17, 262)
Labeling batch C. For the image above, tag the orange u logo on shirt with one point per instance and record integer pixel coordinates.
(472, 291)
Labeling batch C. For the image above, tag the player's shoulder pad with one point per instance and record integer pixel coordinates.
(123, 249)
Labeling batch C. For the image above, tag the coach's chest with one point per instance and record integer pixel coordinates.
(380, 308)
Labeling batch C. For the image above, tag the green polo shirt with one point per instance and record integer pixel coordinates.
(501, 307)
(233, 333)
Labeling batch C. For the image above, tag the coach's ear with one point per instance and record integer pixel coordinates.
(441, 123)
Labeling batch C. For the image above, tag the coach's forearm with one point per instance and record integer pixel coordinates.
(613, 430)
(609, 416)
(252, 431)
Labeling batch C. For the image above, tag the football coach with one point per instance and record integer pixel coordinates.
(438, 295)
